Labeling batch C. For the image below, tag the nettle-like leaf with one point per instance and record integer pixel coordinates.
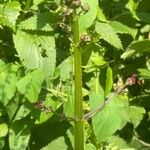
(118, 27)
(9, 13)
(106, 79)
(144, 73)
(58, 144)
(86, 20)
(42, 21)
(107, 33)
(30, 85)
(8, 82)
(3, 129)
(136, 47)
(21, 113)
(36, 51)
(19, 135)
(113, 117)
(136, 115)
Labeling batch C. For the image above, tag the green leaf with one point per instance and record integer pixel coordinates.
(109, 81)
(3, 130)
(111, 118)
(100, 15)
(118, 27)
(136, 115)
(143, 16)
(107, 33)
(30, 85)
(136, 47)
(22, 112)
(2, 142)
(66, 68)
(8, 82)
(119, 142)
(19, 135)
(86, 20)
(37, 2)
(90, 146)
(144, 73)
(36, 51)
(58, 144)
(42, 22)
(132, 6)
(106, 79)
(9, 13)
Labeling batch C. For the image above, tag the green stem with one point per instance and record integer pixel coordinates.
(78, 125)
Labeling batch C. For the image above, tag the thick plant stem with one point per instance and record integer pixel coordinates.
(78, 125)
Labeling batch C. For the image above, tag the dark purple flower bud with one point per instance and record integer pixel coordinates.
(132, 80)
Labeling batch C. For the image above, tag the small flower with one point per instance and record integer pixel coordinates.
(76, 3)
(85, 7)
(85, 37)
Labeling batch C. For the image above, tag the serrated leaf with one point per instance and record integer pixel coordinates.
(144, 73)
(42, 21)
(58, 144)
(9, 13)
(3, 130)
(118, 27)
(8, 83)
(132, 6)
(36, 51)
(22, 112)
(136, 115)
(100, 15)
(119, 142)
(30, 85)
(66, 68)
(111, 118)
(87, 19)
(109, 81)
(19, 135)
(136, 47)
(107, 33)
(90, 146)
(144, 16)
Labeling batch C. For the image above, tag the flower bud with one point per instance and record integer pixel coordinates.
(85, 7)
(76, 3)
(85, 37)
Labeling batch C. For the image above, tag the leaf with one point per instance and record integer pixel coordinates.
(30, 85)
(132, 6)
(144, 73)
(106, 79)
(58, 144)
(19, 135)
(2, 142)
(144, 16)
(111, 118)
(100, 15)
(22, 112)
(66, 68)
(136, 115)
(90, 146)
(42, 22)
(3, 129)
(86, 20)
(119, 142)
(9, 13)
(36, 51)
(37, 2)
(107, 33)
(136, 47)
(8, 82)
(109, 81)
(118, 27)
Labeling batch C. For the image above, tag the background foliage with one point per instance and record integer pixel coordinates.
(36, 72)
